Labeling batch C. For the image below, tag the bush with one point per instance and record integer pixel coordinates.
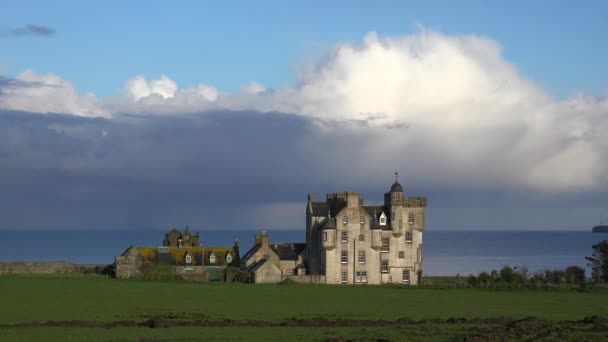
(575, 275)
(287, 281)
(236, 275)
(507, 275)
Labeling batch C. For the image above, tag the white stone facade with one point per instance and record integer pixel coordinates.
(352, 243)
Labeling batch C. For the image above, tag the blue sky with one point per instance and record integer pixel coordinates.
(99, 45)
(133, 114)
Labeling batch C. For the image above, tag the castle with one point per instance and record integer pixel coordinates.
(348, 242)
(353, 243)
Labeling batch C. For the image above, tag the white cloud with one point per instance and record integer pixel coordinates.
(443, 109)
(138, 87)
(48, 93)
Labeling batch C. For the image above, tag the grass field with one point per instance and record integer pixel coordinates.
(109, 309)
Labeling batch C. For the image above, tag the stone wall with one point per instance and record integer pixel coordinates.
(48, 267)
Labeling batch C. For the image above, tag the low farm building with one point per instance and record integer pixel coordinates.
(272, 262)
(199, 263)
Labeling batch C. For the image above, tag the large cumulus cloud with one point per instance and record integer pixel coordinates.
(448, 112)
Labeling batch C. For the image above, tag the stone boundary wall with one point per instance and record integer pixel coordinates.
(48, 267)
(306, 279)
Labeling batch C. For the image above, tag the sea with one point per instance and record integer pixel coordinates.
(445, 252)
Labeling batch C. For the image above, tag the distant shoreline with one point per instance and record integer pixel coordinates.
(600, 229)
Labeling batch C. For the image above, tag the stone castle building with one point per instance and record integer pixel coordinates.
(349, 242)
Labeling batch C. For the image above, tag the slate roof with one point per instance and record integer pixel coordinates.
(373, 210)
(396, 187)
(257, 265)
(251, 252)
(288, 251)
(330, 223)
(319, 209)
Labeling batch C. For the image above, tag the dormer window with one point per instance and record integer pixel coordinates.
(383, 219)
(228, 258)
(188, 259)
(212, 258)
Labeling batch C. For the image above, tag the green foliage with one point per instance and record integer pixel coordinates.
(574, 275)
(507, 277)
(598, 262)
(287, 281)
(236, 275)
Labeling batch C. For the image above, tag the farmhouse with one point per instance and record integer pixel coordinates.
(271, 262)
(176, 259)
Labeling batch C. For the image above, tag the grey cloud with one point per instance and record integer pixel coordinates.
(227, 169)
(29, 30)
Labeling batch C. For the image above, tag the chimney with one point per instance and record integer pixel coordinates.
(264, 238)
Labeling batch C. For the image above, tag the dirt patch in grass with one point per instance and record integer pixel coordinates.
(537, 329)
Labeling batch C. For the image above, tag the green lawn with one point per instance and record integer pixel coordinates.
(39, 299)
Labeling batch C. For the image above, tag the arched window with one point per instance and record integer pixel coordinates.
(212, 258)
(228, 258)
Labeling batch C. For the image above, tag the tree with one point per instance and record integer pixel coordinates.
(506, 274)
(575, 275)
(598, 262)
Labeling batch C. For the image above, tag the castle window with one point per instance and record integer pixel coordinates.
(344, 276)
(290, 271)
(188, 259)
(345, 219)
(362, 219)
(229, 258)
(400, 224)
(362, 257)
(344, 236)
(401, 254)
(212, 258)
(324, 236)
(411, 218)
(361, 277)
(384, 266)
(408, 236)
(385, 245)
(361, 237)
(406, 276)
(344, 257)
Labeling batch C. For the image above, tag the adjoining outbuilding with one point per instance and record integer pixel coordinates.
(177, 259)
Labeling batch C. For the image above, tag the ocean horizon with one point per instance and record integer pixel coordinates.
(445, 252)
